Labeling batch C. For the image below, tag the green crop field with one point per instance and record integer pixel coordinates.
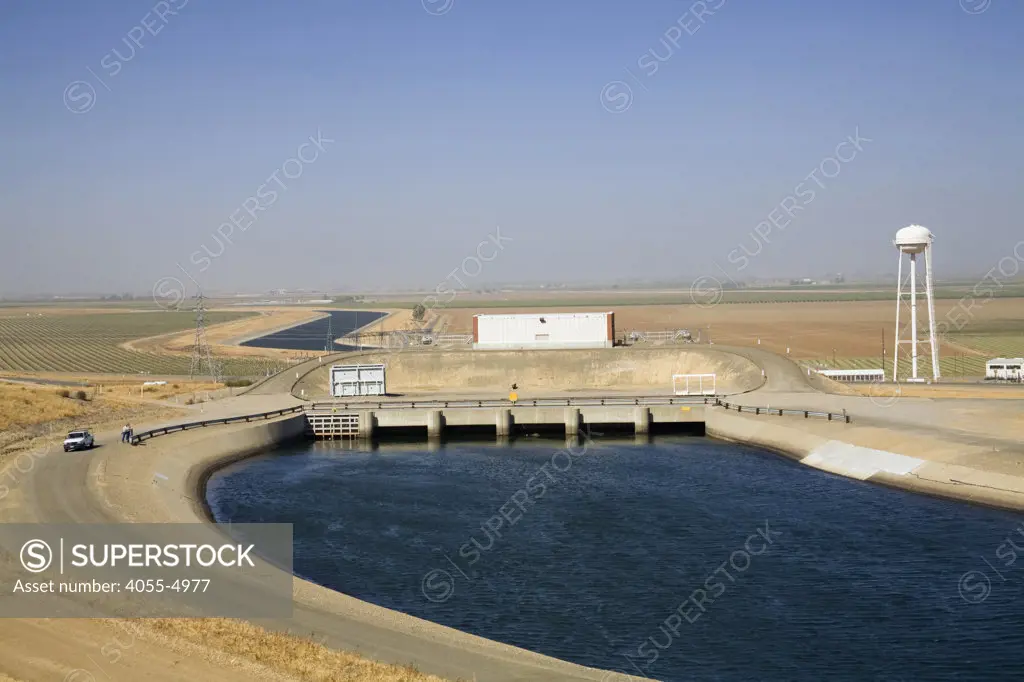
(89, 342)
(952, 363)
(992, 345)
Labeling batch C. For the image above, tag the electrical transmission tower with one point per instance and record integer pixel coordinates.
(201, 351)
(329, 345)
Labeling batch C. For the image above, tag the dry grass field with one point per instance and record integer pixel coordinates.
(297, 658)
(22, 406)
(32, 416)
(201, 649)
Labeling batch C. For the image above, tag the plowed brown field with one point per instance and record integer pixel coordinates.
(809, 330)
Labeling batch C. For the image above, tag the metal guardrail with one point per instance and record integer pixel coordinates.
(807, 414)
(164, 430)
(501, 402)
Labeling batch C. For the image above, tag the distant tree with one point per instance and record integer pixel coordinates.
(419, 311)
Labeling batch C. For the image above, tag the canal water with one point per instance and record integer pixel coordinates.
(312, 336)
(683, 559)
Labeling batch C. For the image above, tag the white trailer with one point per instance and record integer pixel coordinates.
(356, 380)
(1005, 369)
(543, 330)
(854, 375)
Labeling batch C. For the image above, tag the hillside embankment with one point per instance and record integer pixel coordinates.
(647, 370)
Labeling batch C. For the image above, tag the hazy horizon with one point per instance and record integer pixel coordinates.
(506, 142)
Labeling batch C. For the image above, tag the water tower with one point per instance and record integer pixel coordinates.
(913, 241)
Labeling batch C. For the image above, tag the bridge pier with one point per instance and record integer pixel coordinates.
(503, 422)
(642, 420)
(366, 425)
(572, 422)
(435, 422)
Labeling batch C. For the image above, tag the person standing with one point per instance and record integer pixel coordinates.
(124, 433)
(130, 432)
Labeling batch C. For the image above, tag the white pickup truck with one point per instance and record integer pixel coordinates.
(78, 440)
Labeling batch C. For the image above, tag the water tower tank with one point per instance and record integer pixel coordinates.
(913, 239)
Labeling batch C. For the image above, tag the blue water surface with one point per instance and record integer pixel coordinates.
(654, 559)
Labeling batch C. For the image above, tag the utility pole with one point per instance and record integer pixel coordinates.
(201, 351)
(883, 351)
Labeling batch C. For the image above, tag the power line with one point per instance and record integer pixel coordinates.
(201, 351)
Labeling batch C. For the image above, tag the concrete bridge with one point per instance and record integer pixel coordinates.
(502, 418)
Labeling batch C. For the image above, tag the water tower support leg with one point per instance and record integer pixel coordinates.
(929, 286)
(899, 304)
(913, 315)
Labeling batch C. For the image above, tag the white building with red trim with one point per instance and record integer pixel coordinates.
(543, 330)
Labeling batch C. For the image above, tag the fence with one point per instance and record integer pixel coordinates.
(452, 339)
(831, 416)
(659, 337)
(164, 430)
(641, 401)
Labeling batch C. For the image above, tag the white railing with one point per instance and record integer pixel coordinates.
(675, 336)
(452, 339)
(693, 384)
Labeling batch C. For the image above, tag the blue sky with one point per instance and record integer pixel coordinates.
(447, 125)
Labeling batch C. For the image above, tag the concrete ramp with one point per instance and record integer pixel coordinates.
(783, 375)
(859, 462)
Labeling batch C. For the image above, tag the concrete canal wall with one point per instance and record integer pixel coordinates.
(641, 369)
